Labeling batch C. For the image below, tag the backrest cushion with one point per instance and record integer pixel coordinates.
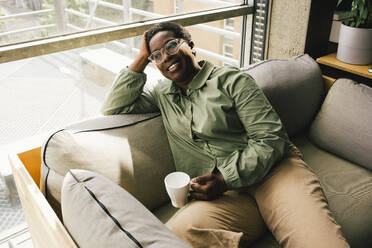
(99, 213)
(131, 150)
(344, 124)
(294, 87)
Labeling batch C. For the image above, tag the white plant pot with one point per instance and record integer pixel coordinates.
(355, 45)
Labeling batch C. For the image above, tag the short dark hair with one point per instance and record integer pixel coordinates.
(178, 31)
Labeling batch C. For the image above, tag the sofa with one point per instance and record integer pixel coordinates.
(332, 130)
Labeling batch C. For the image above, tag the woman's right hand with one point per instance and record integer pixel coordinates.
(143, 49)
(141, 61)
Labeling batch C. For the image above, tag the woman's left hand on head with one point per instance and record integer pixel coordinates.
(208, 187)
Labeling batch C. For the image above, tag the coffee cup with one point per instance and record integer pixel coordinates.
(177, 185)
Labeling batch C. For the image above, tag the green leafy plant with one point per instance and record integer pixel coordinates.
(360, 15)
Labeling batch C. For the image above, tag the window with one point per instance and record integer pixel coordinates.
(56, 66)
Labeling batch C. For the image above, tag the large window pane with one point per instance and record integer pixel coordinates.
(45, 93)
(212, 38)
(22, 20)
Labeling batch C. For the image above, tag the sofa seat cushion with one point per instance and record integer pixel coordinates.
(131, 150)
(344, 124)
(348, 188)
(99, 213)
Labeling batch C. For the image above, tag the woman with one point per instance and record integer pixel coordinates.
(225, 134)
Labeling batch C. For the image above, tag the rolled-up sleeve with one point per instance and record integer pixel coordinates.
(129, 95)
(267, 140)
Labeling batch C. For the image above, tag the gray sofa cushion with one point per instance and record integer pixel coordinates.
(293, 86)
(348, 188)
(123, 148)
(344, 124)
(99, 213)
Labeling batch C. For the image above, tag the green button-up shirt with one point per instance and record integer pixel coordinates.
(224, 121)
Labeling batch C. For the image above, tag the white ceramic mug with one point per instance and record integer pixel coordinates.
(177, 185)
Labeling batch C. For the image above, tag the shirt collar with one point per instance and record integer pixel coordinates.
(198, 81)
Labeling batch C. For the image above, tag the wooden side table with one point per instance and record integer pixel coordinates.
(334, 68)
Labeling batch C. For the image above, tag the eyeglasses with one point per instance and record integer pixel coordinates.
(171, 47)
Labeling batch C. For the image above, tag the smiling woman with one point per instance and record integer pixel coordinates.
(226, 136)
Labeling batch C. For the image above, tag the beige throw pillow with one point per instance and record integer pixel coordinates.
(99, 213)
(343, 124)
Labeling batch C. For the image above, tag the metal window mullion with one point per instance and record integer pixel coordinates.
(60, 43)
(267, 26)
(243, 37)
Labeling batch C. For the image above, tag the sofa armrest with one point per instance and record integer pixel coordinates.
(131, 150)
(45, 228)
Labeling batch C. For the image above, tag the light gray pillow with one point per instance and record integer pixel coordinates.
(294, 87)
(131, 150)
(344, 124)
(99, 213)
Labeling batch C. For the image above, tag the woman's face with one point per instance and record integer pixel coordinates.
(179, 67)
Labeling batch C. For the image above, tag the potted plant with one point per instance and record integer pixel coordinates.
(355, 41)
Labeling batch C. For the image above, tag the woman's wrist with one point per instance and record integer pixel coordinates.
(140, 63)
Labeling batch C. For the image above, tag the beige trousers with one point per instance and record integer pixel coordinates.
(289, 200)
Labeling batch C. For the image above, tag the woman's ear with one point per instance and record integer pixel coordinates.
(191, 45)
